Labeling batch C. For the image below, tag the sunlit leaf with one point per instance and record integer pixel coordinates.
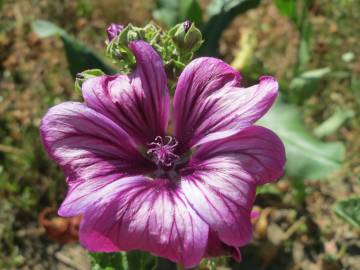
(244, 54)
(46, 29)
(305, 84)
(79, 56)
(304, 48)
(221, 13)
(307, 157)
(349, 210)
(348, 57)
(333, 123)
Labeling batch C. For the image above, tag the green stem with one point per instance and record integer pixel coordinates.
(301, 22)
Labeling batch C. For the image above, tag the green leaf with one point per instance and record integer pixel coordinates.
(85, 75)
(333, 123)
(132, 260)
(46, 29)
(287, 8)
(304, 85)
(190, 10)
(109, 261)
(171, 12)
(167, 16)
(139, 260)
(221, 13)
(348, 57)
(267, 188)
(307, 157)
(349, 210)
(79, 56)
(297, 12)
(304, 46)
(244, 54)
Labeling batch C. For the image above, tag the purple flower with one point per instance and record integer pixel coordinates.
(183, 195)
(113, 30)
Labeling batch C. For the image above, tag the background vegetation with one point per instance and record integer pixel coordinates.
(308, 220)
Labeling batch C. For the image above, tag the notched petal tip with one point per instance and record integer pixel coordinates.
(270, 82)
(207, 68)
(197, 100)
(267, 77)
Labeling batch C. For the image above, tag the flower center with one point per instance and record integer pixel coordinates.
(161, 151)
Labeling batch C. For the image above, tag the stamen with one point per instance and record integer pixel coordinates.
(162, 150)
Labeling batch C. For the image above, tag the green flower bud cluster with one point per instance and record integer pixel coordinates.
(176, 46)
(118, 50)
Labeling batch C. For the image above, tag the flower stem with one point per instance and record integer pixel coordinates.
(180, 267)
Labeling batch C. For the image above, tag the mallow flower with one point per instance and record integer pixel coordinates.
(176, 178)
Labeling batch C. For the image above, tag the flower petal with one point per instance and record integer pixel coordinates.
(83, 194)
(222, 194)
(89, 146)
(150, 215)
(220, 182)
(209, 105)
(256, 150)
(138, 102)
(216, 248)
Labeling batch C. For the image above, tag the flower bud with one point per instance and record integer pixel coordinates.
(186, 36)
(130, 33)
(187, 24)
(113, 30)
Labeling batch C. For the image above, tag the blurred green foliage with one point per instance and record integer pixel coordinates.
(305, 84)
(171, 12)
(220, 14)
(133, 260)
(80, 56)
(349, 210)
